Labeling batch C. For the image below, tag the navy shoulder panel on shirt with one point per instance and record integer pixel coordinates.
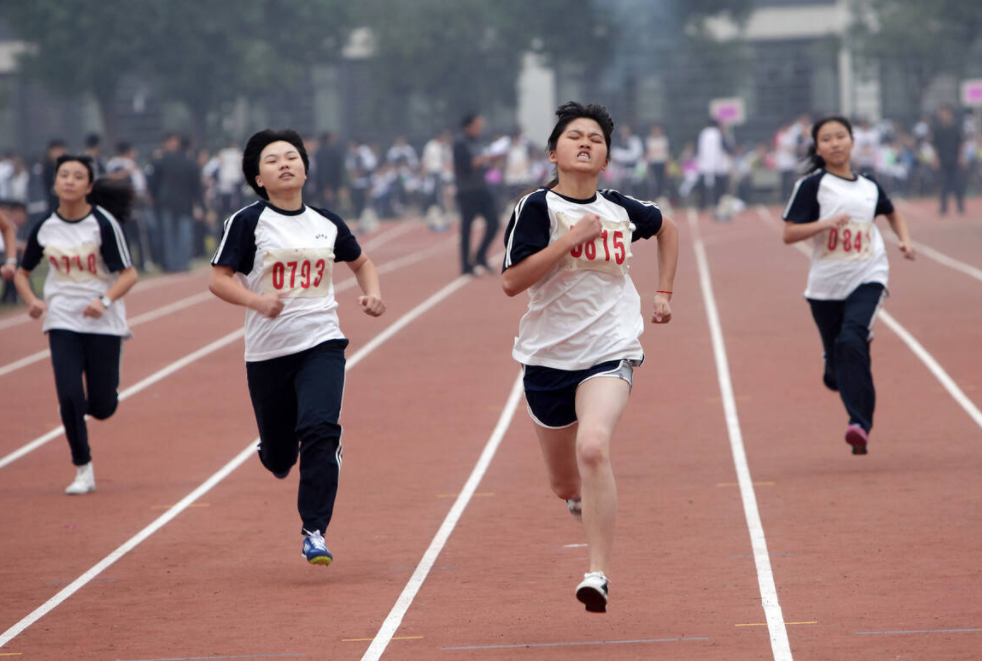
(346, 248)
(528, 228)
(802, 206)
(646, 216)
(33, 250)
(115, 251)
(238, 246)
(884, 205)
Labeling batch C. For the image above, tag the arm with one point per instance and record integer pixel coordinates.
(127, 278)
(223, 285)
(899, 227)
(794, 232)
(668, 259)
(36, 307)
(519, 277)
(367, 276)
(10, 242)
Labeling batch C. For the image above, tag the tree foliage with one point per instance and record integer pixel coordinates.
(937, 35)
(202, 54)
(463, 55)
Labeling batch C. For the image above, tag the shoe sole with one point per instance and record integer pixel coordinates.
(592, 599)
(321, 560)
(856, 440)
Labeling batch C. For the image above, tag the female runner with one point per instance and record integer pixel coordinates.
(836, 208)
(89, 272)
(276, 258)
(569, 245)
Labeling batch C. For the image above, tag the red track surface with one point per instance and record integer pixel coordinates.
(884, 543)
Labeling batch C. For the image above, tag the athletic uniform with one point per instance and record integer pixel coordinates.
(295, 362)
(584, 317)
(85, 257)
(847, 280)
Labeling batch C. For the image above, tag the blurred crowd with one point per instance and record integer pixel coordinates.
(184, 194)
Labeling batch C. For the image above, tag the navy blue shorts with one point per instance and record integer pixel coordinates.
(551, 393)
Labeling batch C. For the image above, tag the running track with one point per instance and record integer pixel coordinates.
(856, 557)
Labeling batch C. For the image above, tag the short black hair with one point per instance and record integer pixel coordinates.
(83, 159)
(115, 196)
(92, 140)
(254, 149)
(123, 147)
(468, 119)
(572, 110)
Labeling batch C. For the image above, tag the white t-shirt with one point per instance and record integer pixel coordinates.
(585, 310)
(291, 253)
(847, 257)
(85, 257)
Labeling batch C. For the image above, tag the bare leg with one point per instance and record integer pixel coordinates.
(599, 404)
(559, 451)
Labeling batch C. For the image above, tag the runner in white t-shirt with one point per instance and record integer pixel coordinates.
(836, 208)
(8, 247)
(89, 271)
(277, 258)
(569, 246)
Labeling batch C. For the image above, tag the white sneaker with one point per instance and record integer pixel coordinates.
(84, 481)
(593, 592)
(575, 507)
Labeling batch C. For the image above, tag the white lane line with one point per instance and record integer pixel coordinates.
(388, 267)
(194, 299)
(780, 646)
(939, 373)
(227, 470)
(127, 546)
(405, 600)
(916, 347)
(392, 233)
(141, 286)
(16, 320)
(162, 311)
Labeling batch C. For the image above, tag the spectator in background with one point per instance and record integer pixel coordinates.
(713, 163)
(786, 156)
(866, 153)
(124, 166)
(226, 171)
(177, 194)
(55, 150)
(657, 153)
(627, 156)
(518, 166)
(93, 149)
(359, 163)
(947, 138)
(474, 197)
(437, 180)
(329, 170)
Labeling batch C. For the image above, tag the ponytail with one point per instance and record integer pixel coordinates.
(812, 160)
(113, 195)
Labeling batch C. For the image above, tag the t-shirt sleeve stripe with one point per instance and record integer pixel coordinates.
(115, 251)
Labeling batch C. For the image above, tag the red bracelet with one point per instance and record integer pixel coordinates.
(662, 291)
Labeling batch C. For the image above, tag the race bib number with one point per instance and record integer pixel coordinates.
(608, 253)
(852, 241)
(298, 272)
(77, 263)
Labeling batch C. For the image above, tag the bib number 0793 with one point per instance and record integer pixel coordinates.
(298, 272)
(285, 275)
